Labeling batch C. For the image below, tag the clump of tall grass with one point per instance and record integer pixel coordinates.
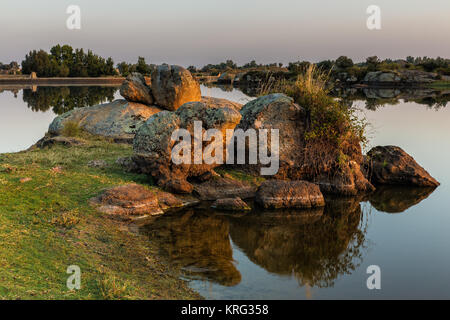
(71, 129)
(333, 130)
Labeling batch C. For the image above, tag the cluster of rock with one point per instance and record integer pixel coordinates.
(394, 78)
(406, 77)
(167, 88)
(169, 100)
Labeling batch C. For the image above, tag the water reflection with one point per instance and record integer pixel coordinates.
(315, 246)
(375, 98)
(63, 99)
(397, 199)
(199, 243)
(316, 250)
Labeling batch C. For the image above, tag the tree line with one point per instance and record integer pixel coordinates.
(342, 64)
(64, 61)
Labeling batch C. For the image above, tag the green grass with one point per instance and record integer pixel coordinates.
(46, 225)
(439, 84)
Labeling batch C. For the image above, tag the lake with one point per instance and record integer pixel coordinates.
(309, 254)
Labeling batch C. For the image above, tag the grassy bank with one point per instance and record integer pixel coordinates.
(46, 225)
(439, 85)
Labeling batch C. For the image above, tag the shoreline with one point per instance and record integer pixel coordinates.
(117, 261)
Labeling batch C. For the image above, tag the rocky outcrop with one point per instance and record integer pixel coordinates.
(136, 89)
(392, 165)
(173, 86)
(133, 200)
(118, 120)
(399, 77)
(276, 194)
(153, 143)
(347, 180)
(297, 159)
(217, 188)
(230, 204)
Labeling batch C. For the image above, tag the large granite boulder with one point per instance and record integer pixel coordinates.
(135, 89)
(173, 86)
(298, 159)
(392, 165)
(279, 112)
(118, 120)
(277, 194)
(153, 143)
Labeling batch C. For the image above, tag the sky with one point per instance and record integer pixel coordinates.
(198, 32)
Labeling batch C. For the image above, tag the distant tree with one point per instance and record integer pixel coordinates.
(298, 67)
(63, 61)
(124, 68)
(230, 64)
(372, 63)
(192, 69)
(344, 62)
(142, 67)
(325, 65)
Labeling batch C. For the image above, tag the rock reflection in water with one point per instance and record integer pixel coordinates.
(198, 243)
(397, 199)
(315, 250)
(315, 246)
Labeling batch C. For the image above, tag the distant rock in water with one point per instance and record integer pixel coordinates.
(173, 86)
(392, 165)
(406, 77)
(136, 89)
(226, 77)
(118, 120)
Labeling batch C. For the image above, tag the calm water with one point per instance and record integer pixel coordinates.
(316, 254)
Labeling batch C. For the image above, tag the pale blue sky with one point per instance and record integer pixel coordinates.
(209, 31)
